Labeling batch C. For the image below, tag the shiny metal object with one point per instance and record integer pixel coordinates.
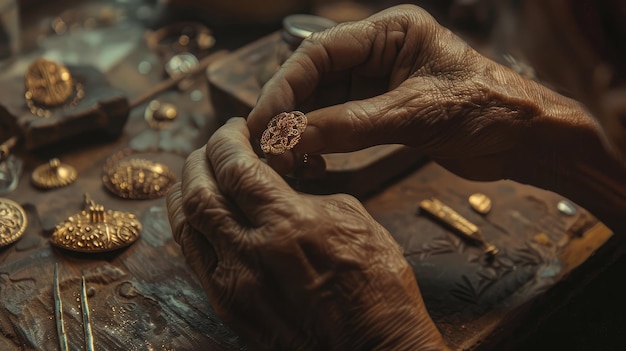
(84, 305)
(136, 178)
(96, 230)
(181, 63)
(567, 208)
(53, 174)
(58, 311)
(48, 83)
(160, 115)
(458, 223)
(480, 203)
(283, 132)
(13, 221)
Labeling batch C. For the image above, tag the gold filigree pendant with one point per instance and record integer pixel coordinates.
(13, 221)
(283, 132)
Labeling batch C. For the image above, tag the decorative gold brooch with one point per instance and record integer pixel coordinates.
(136, 178)
(13, 221)
(96, 230)
(53, 174)
(283, 132)
(50, 84)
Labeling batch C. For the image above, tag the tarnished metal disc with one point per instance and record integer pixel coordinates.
(48, 83)
(53, 174)
(96, 230)
(138, 179)
(13, 221)
(481, 203)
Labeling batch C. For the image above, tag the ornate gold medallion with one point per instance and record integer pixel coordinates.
(283, 132)
(13, 221)
(50, 84)
(137, 178)
(53, 174)
(96, 230)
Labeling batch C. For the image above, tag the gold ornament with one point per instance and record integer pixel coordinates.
(480, 203)
(137, 178)
(283, 132)
(53, 174)
(49, 84)
(13, 221)
(160, 115)
(96, 230)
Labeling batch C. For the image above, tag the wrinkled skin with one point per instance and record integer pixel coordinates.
(289, 271)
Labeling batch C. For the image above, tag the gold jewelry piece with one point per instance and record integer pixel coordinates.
(458, 223)
(13, 221)
(53, 174)
(136, 178)
(49, 84)
(96, 230)
(160, 115)
(480, 203)
(283, 132)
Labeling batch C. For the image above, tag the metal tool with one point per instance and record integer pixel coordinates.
(58, 314)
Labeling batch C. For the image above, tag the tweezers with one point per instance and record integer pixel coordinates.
(58, 314)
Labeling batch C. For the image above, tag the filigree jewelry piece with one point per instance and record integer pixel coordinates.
(283, 132)
(13, 221)
(49, 84)
(96, 230)
(53, 174)
(160, 115)
(136, 178)
(458, 223)
(480, 203)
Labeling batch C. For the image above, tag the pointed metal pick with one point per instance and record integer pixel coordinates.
(58, 311)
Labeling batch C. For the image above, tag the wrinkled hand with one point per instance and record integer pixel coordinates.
(289, 271)
(400, 77)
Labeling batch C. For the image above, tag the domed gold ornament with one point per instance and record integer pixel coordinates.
(13, 221)
(53, 174)
(96, 230)
(137, 178)
(48, 83)
(160, 115)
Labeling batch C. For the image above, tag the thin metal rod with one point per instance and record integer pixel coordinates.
(86, 320)
(58, 311)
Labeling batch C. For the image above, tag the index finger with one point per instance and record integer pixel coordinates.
(257, 190)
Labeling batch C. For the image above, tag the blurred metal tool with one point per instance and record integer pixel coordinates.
(458, 223)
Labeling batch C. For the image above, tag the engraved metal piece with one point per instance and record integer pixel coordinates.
(480, 203)
(458, 223)
(96, 230)
(566, 208)
(13, 221)
(160, 115)
(53, 174)
(283, 132)
(48, 83)
(137, 178)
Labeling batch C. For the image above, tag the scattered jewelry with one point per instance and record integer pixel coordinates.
(53, 174)
(480, 203)
(96, 230)
(458, 223)
(160, 115)
(566, 208)
(136, 178)
(13, 221)
(283, 132)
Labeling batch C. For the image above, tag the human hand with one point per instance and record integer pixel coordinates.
(290, 271)
(400, 77)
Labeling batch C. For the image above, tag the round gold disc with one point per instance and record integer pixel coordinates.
(48, 83)
(53, 174)
(13, 221)
(138, 179)
(95, 230)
